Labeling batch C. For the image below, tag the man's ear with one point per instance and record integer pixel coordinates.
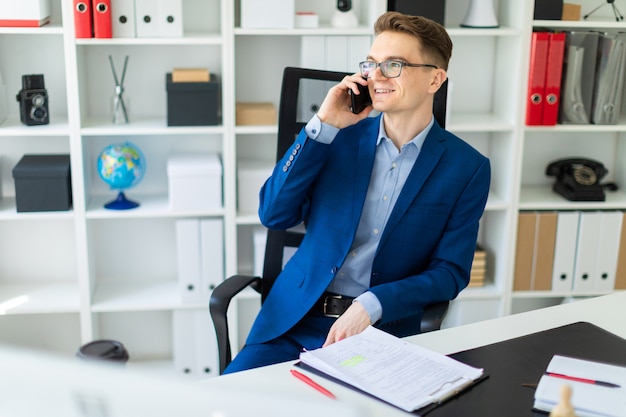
(438, 79)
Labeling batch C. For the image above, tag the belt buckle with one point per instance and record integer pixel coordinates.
(324, 308)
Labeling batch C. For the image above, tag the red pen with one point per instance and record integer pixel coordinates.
(312, 383)
(584, 380)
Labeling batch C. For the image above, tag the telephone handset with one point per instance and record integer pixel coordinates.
(578, 179)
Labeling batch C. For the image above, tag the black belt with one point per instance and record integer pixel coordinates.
(332, 305)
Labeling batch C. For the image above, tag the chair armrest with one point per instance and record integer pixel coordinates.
(218, 307)
(433, 316)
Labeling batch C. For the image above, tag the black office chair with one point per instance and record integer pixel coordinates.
(301, 94)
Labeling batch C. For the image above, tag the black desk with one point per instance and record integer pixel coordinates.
(514, 362)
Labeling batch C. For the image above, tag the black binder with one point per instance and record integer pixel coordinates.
(523, 360)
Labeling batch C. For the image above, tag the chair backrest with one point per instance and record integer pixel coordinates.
(302, 93)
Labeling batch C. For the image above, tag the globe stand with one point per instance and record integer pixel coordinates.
(121, 203)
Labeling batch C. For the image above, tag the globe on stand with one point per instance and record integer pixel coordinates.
(121, 166)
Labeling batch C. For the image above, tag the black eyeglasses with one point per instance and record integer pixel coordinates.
(391, 68)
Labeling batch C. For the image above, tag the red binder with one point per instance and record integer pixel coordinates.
(83, 19)
(554, 72)
(102, 26)
(537, 78)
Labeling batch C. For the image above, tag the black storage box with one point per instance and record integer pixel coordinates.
(42, 183)
(548, 10)
(192, 103)
(432, 9)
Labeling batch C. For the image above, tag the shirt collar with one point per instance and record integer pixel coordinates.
(417, 141)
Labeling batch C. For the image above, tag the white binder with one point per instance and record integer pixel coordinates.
(183, 343)
(336, 50)
(565, 250)
(123, 18)
(147, 18)
(212, 247)
(586, 250)
(170, 18)
(188, 245)
(313, 52)
(194, 344)
(607, 250)
(358, 48)
(206, 357)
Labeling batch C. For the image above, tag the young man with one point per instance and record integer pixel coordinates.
(392, 204)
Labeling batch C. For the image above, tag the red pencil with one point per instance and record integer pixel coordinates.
(312, 383)
(585, 380)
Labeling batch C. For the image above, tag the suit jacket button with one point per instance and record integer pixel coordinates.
(285, 169)
(334, 270)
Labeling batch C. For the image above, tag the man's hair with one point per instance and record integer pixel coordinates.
(435, 42)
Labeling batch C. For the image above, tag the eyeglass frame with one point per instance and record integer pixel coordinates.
(386, 62)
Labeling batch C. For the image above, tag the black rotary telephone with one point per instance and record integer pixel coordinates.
(578, 179)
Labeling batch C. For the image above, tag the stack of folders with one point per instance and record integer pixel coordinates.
(479, 268)
(570, 251)
(400, 373)
(598, 389)
(544, 78)
(128, 18)
(576, 77)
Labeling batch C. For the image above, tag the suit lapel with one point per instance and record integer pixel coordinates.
(427, 160)
(363, 168)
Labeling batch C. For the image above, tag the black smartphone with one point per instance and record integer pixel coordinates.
(360, 101)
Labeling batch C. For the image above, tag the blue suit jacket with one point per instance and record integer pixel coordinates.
(427, 247)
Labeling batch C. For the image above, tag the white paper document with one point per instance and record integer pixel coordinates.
(398, 372)
(598, 389)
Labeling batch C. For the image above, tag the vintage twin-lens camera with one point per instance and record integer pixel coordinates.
(33, 99)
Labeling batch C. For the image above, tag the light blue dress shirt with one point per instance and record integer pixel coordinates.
(390, 171)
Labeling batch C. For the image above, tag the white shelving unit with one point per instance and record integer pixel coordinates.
(67, 278)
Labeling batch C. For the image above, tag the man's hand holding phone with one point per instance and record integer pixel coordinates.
(338, 108)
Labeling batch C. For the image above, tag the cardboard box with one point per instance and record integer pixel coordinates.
(186, 75)
(251, 176)
(571, 12)
(24, 13)
(42, 183)
(247, 114)
(192, 103)
(268, 14)
(195, 182)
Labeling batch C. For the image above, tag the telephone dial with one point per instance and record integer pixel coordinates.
(578, 179)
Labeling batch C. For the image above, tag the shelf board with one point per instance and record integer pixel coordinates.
(49, 29)
(457, 123)
(186, 39)
(470, 122)
(58, 126)
(620, 126)
(367, 30)
(488, 291)
(8, 211)
(151, 206)
(124, 296)
(558, 294)
(143, 126)
(543, 198)
(43, 298)
(320, 31)
(499, 31)
(593, 23)
(256, 130)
